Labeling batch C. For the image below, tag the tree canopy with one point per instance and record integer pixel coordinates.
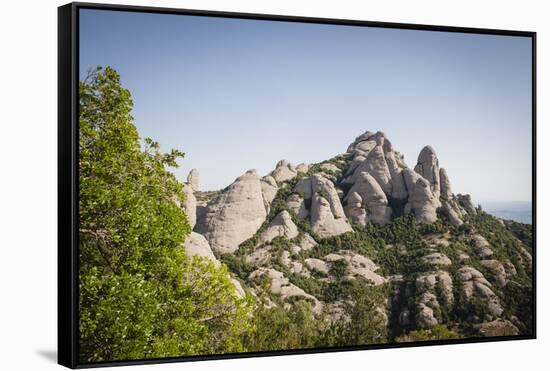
(140, 294)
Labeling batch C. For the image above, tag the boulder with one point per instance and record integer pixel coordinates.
(193, 179)
(235, 215)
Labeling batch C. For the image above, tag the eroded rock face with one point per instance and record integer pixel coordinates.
(398, 188)
(196, 245)
(373, 197)
(189, 205)
(354, 209)
(424, 314)
(297, 204)
(423, 203)
(482, 246)
(327, 215)
(269, 190)
(375, 164)
(446, 191)
(235, 215)
(465, 202)
(439, 282)
(496, 267)
(303, 187)
(474, 284)
(193, 179)
(281, 226)
(283, 171)
(428, 167)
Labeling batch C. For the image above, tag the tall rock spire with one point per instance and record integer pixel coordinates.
(428, 167)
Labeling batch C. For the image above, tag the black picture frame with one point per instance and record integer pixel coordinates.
(68, 219)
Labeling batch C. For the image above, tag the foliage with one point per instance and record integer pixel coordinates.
(438, 332)
(140, 295)
(277, 328)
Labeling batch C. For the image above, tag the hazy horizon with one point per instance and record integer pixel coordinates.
(236, 95)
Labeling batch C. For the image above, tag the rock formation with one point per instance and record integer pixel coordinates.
(428, 167)
(354, 209)
(297, 204)
(370, 183)
(373, 198)
(269, 190)
(283, 171)
(327, 215)
(281, 226)
(196, 245)
(281, 286)
(193, 179)
(235, 215)
(189, 205)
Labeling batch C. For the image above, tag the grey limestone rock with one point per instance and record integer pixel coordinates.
(235, 215)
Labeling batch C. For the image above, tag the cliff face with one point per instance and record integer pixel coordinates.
(365, 216)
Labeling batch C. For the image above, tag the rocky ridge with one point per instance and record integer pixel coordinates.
(301, 228)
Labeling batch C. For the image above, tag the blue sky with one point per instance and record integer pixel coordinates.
(242, 94)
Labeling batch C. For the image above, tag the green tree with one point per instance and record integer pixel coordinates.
(140, 295)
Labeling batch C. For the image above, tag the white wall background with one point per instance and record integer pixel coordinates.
(28, 155)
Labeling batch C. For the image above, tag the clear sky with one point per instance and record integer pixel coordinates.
(242, 94)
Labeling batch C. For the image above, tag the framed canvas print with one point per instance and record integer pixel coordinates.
(237, 185)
